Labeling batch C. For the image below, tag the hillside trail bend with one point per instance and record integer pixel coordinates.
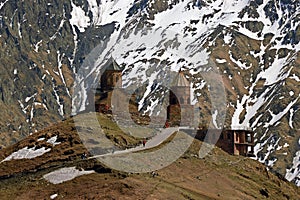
(153, 142)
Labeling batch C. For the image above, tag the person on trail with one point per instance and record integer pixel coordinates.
(167, 125)
(144, 142)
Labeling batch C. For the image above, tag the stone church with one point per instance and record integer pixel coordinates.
(180, 110)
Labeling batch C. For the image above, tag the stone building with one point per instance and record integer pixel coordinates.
(235, 141)
(243, 143)
(112, 76)
(112, 97)
(110, 84)
(180, 110)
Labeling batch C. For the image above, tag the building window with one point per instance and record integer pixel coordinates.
(249, 138)
(228, 136)
(249, 149)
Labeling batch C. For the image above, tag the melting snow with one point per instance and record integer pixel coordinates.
(272, 145)
(227, 39)
(79, 18)
(37, 46)
(65, 174)
(275, 72)
(271, 162)
(276, 118)
(61, 105)
(60, 71)
(295, 77)
(294, 172)
(96, 10)
(19, 30)
(278, 148)
(52, 140)
(291, 118)
(28, 98)
(234, 6)
(221, 61)
(41, 139)
(239, 63)
(286, 145)
(27, 153)
(53, 196)
(3, 3)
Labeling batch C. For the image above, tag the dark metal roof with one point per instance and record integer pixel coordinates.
(113, 65)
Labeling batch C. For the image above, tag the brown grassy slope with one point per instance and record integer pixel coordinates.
(69, 150)
(217, 176)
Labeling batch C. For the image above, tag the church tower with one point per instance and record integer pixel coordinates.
(180, 91)
(180, 110)
(112, 76)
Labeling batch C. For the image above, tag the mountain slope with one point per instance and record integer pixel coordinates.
(217, 176)
(251, 45)
(254, 46)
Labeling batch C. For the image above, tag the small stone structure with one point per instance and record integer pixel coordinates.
(235, 141)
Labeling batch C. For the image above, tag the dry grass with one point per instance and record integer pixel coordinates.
(217, 176)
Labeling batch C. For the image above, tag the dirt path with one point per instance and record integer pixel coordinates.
(153, 142)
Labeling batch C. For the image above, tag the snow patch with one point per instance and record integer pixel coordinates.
(295, 77)
(60, 71)
(65, 174)
(78, 18)
(286, 145)
(53, 196)
(28, 98)
(3, 3)
(37, 46)
(41, 139)
(19, 30)
(53, 140)
(221, 61)
(291, 118)
(227, 38)
(293, 174)
(27, 153)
